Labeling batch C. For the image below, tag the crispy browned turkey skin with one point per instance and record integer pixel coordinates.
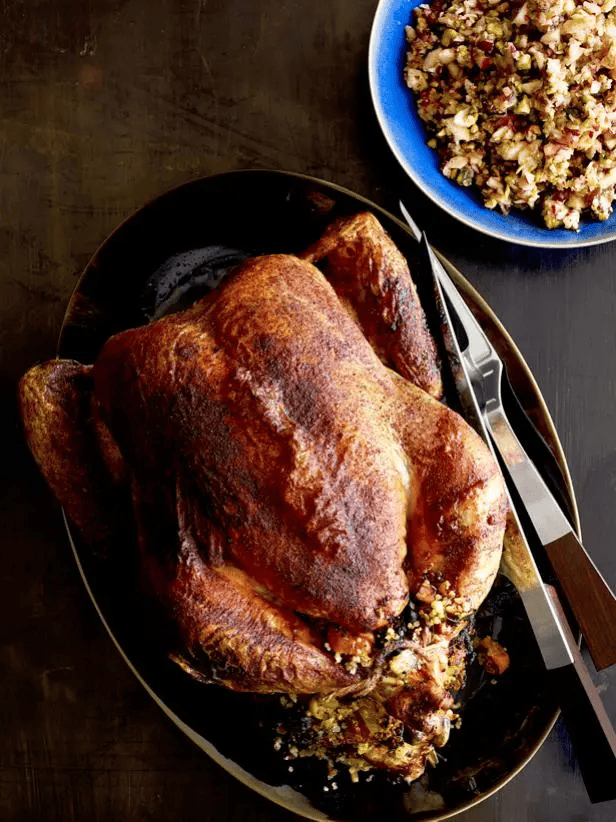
(286, 485)
(373, 281)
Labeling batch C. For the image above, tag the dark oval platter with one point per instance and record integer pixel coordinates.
(170, 252)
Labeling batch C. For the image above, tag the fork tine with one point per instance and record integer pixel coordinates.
(415, 231)
(479, 347)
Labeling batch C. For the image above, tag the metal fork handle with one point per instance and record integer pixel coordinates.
(547, 517)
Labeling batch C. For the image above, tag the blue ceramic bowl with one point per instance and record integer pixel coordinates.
(395, 109)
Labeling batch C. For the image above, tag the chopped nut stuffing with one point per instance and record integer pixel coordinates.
(397, 718)
(492, 656)
(519, 101)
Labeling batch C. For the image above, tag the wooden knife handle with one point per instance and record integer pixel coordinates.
(591, 732)
(591, 600)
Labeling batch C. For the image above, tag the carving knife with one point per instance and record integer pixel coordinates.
(591, 600)
(590, 729)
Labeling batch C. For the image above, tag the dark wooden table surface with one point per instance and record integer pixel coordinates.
(105, 104)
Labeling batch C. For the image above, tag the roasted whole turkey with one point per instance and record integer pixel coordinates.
(308, 514)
